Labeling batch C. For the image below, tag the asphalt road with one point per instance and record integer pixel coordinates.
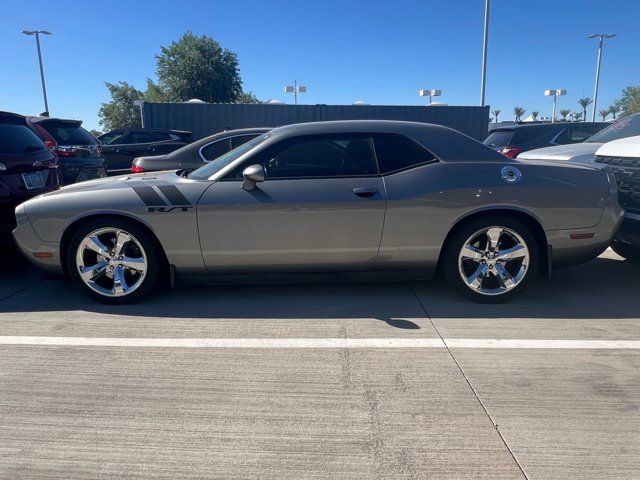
(367, 381)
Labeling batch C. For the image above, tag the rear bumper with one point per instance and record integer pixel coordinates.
(79, 170)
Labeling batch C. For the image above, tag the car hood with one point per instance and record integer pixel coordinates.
(576, 152)
(624, 147)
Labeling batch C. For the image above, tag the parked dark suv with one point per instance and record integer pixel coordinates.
(79, 153)
(27, 167)
(514, 139)
(121, 146)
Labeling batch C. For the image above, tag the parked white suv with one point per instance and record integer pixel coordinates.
(586, 152)
(623, 158)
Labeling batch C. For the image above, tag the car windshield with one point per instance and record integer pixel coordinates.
(65, 133)
(626, 127)
(219, 163)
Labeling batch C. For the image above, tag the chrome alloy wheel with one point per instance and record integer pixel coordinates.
(493, 260)
(111, 262)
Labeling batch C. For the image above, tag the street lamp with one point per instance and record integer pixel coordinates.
(295, 89)
(601, 36)
(554, 94)
(44, 89)
(485, 45)
(430, 94)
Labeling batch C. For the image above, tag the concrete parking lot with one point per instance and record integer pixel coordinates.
(372, 381)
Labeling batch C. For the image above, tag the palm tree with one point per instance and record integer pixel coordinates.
(534, 115)
(604, 113)
(495, 113)
(614, 109)
(577, 116)
(584, 103)
(564, 113)
(518, 112)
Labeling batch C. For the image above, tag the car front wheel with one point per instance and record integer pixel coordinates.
(491, 259)
(114, 261)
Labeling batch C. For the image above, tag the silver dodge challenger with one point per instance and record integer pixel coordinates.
(361, 197)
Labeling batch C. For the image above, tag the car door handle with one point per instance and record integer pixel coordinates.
(365, 191)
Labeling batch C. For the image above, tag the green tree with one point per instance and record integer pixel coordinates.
(629, 102)
(120, 112)
(564, 113)
(95, 133)
(519, 112)
(604, 113)
(614, 110)
(246, 97)
(534, 115)
(198, 67)
(496, 113)
(155, 93)
(577, 116)
(584, 103)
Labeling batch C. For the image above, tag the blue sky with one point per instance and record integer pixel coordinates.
(381, 52)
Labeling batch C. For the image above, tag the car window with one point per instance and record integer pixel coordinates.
(140, 137)
(111, 138)
(580, 133)
(626, 127)
(215, 149)
(500, 138)
(528, 134)
(318, 157)
(163, 137)
(208, 170)
(563, 138)
(396, 153)
(17, 138)
(242, 139)
(68, 134)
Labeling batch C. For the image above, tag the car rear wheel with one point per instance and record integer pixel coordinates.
(491, 259)
(626, 250)
(114, 261)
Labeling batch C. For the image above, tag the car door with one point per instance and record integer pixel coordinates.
(320, 208)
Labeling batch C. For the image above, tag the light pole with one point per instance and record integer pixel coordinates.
(485, 44)
(44, 88)
(601, 36)
(554, 94)
(430, 93)
(295, 89)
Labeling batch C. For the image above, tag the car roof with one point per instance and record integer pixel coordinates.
(198, 144)
(520, 126)
(161, 130)
(39, 119)
(11, 115)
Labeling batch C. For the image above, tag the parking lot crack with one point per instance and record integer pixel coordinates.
(473, 390)
(32, 284)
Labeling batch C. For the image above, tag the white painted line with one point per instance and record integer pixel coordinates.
(554, 344)
(302, 343)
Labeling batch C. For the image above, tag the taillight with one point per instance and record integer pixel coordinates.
(48, 139)
(511, 152)
(67, 151)
(136, 169)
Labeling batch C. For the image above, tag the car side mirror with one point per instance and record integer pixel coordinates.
(252, 174)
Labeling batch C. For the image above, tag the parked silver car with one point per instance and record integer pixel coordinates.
(586, 152)
(349, 196)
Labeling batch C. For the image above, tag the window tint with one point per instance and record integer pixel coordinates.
(66, 134)
(321, 157)
(17, 138)
(242, 139)
(500, 138)
(111, 138)
(140, 137)
(580, 134)
(532, 133)
(215, 149)
(396, 153)
(626, 127)
(163, 137)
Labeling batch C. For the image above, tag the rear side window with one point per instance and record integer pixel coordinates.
(531, 134)
(140, 137)
(395, 153)
(215, 149)
(16, 138)
(111, 138)
(501, 138)
(66, 134)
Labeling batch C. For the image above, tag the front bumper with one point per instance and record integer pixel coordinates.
(630, 230)
(44, 255)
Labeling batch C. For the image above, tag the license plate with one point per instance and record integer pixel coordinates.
(33, 180)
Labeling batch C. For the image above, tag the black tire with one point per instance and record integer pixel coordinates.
(454, 247)
(626, 250)
(154, 258)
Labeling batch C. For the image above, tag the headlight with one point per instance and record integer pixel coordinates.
(3, 167)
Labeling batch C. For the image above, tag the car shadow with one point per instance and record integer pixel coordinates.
(603, 288)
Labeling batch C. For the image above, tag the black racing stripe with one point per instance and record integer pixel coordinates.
(148, 195)
(174, 195)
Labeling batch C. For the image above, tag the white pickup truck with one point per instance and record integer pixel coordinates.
(623, 158)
